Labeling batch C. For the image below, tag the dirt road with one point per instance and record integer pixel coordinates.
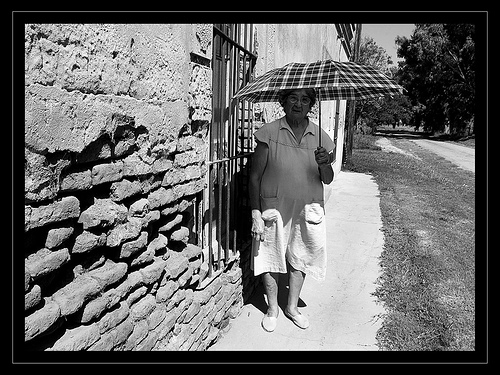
(462, 156)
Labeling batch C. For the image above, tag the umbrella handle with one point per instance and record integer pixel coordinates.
(319, 110)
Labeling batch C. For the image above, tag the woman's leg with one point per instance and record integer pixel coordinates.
(295, 282)
(270, 280)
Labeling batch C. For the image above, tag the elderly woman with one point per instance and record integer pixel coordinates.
(286, 195)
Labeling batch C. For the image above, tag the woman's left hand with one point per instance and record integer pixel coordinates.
(322, 156)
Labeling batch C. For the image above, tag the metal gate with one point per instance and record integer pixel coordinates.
(231, 144)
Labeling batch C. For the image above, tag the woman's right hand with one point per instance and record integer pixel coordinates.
(257, 225)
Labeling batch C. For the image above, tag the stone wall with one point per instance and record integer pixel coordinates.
(116, 132)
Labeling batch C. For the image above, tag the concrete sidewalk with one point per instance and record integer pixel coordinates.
(342, 312)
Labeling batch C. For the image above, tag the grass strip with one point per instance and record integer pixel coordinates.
(428, 266)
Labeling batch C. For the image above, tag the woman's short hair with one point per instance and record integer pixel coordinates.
(283, 95)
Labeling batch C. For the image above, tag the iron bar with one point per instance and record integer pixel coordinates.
(223, 160)
(225, 166)
(210, 215)
(233, 42)
(232, 64)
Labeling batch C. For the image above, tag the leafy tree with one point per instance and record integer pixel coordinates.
(372, 54)
(386, 110)
(438, 72)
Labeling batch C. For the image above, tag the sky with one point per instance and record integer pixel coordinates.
(385, 34)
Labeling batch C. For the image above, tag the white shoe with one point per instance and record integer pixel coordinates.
(299, 320)
(269, 323)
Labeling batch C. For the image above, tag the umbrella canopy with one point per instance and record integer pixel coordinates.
(333, 80)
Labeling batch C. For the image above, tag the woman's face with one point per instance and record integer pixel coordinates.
(297, 105)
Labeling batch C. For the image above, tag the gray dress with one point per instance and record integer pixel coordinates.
(292, 203)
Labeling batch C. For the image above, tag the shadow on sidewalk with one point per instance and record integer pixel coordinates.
(258, 298)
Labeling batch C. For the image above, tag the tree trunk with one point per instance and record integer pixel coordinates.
(351, 120)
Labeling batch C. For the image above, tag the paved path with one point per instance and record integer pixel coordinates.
(341, 310)
(462, 156)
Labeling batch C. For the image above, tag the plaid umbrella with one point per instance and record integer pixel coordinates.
(333, 80)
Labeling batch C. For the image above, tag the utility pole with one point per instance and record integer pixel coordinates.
(352, 103)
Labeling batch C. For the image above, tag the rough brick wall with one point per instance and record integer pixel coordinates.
(115, 148)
